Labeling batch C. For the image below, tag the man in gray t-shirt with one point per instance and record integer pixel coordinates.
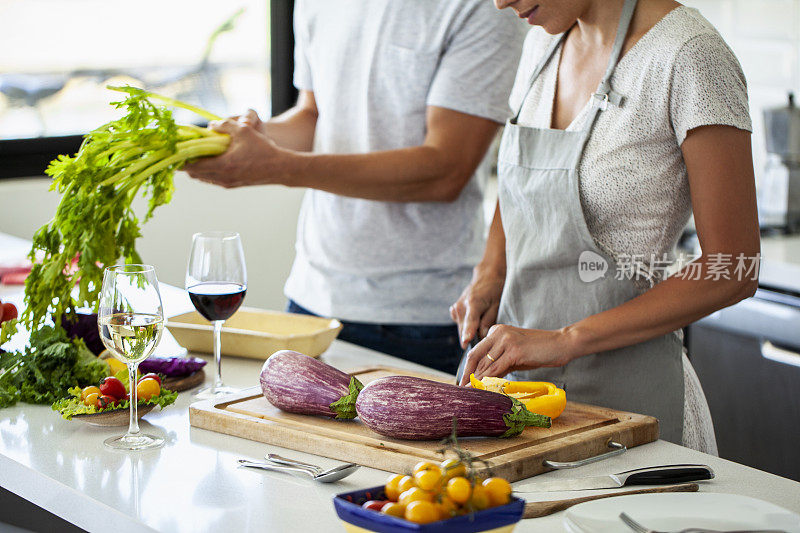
(399, 101)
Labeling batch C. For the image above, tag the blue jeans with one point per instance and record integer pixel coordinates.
(433, 346)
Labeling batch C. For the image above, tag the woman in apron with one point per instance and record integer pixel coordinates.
(573, 287)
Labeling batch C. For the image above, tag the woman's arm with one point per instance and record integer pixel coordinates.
(476, 309)
(720, 168)
(435, 171)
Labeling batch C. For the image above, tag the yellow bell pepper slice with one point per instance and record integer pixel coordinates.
(538, 397)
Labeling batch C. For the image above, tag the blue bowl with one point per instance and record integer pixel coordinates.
(501, 519)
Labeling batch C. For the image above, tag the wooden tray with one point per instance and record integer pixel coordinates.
(117, 417)
(581, 431)
(180, 384)
(256, 333)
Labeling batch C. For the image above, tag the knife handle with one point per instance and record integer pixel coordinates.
(538, 509)
(664, 475)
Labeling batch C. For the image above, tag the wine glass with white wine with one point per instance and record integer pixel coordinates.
(131, 320)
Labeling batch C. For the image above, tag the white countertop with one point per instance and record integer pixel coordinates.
(193, 484)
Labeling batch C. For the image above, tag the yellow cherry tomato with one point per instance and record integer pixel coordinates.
(394, 509)
(415, 494)
(422, 512)
(459, 489)
(499, 491)
(147, 388)
(480, 498)
(428, 479)
(91, 399)
(425, 465)
(90, 390)
(391, 488)
(115, 365)
(447, 508)
(405, 483)
(452, 468)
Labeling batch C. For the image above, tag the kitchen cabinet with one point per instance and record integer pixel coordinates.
(747, 361)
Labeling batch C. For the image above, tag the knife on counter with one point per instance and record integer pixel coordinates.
(653, 475)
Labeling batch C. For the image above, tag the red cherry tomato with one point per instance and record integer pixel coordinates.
(9, 311)
(151, 376)
(111, 386)
(374, 505)
(1, 312)
(106, 401)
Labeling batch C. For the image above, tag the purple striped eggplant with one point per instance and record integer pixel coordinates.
(298, 383)
(411, 408)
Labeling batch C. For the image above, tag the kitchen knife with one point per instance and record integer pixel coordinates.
(462, 365)
(654, 475)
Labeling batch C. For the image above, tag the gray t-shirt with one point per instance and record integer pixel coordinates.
(374, 67)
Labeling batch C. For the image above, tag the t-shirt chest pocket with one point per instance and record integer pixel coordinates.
(405, 77)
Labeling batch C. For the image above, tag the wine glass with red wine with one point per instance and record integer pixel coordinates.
(216, 279)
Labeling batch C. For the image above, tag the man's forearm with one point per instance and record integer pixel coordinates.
(276, 152)
(435, 171)
(494, 256)
(293, 129)
(417, 174)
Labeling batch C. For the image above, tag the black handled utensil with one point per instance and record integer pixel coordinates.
(654, 475)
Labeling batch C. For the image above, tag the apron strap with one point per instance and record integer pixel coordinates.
(605, 94)
(551, 50)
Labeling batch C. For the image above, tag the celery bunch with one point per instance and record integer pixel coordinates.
(95, 222)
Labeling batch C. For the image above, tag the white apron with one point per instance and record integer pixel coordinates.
(546, 234)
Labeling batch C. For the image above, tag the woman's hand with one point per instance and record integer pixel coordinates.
(251, 159)
(508, 348)
(476, 309)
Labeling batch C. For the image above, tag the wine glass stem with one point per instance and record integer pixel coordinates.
(133, 426)
(218, 352)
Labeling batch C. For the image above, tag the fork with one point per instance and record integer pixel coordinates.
(639, 528)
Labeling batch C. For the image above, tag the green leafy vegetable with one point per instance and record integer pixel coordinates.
(73, 405)
(46, 371)
(94, 225)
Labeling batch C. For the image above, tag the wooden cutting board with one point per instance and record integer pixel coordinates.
(581, 431)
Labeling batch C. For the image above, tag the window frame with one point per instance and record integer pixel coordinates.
(29, 157)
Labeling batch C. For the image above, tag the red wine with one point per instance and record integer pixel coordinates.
(217, 300)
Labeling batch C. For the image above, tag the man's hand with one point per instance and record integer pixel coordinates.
(476, 309)
(251, 158)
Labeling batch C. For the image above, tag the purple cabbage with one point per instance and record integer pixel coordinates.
(84, 327)
(172, 366)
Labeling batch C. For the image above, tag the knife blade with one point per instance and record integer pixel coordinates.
(463, 363)
(653, 475)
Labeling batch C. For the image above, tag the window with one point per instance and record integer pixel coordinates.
(60, 55)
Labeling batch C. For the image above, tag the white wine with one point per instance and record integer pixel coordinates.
(131, 337)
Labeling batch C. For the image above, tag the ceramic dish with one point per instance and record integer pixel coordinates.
(356, 519)
(677, 511)
(256, 333)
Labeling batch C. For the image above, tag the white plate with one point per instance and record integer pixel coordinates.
(673, 512)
